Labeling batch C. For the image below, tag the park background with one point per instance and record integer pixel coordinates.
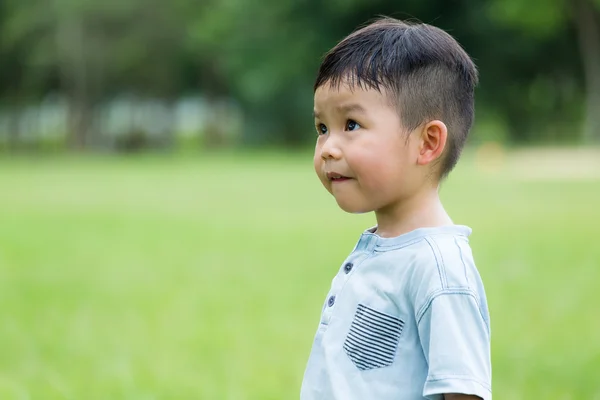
(162, 233)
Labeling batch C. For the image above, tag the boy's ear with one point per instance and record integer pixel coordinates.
(433, 142)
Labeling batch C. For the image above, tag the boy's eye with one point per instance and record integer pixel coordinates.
(321, 129)
(352, 125)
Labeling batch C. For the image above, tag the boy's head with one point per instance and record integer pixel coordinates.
(424, 79)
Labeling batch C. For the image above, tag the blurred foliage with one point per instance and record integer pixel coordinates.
(539, 60)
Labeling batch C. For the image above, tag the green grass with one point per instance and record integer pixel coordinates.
(179, 278)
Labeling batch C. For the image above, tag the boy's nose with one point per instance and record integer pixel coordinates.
(330, 150)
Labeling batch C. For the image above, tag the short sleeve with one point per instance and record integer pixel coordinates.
(456, 342)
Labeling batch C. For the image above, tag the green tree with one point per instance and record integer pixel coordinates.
(93, 48)
(544, 18)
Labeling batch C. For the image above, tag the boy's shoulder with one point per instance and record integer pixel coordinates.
(439, 250)
(446, 258)
(432, 261)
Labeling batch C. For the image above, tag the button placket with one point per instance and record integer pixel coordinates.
(348, 267)
(338, 285)
(331, 301)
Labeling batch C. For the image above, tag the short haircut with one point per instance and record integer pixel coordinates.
(423, 69)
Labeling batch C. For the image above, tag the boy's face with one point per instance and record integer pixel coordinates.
(363, 155)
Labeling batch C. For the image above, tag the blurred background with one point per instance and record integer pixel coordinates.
(162, 235)
(85, 74)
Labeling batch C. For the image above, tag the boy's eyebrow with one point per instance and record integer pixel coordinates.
(345, 109)
(352, 107)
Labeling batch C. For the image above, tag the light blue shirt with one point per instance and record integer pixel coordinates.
(406, 318)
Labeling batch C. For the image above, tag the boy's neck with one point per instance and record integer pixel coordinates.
(420, 211)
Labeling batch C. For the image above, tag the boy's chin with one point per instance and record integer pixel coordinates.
(353, 208)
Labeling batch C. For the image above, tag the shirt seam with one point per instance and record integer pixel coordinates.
(437, 293)
(438, 378)
(463, 261)
(381, 248)
(437, 262)
(390, 247)
(443, 266)
(456, 291)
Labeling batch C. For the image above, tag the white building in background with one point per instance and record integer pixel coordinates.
(187, 117)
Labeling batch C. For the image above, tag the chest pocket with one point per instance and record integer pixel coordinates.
(373, 338)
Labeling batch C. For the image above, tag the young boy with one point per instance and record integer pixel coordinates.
(406, 316)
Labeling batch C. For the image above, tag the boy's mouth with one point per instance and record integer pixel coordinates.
(335, 177)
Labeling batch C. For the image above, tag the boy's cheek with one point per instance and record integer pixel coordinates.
(317, 165)
(319, 171)
(325, 183)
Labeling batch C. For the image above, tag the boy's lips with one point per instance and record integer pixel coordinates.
(336, 177)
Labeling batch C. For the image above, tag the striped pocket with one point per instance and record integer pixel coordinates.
(373, 338)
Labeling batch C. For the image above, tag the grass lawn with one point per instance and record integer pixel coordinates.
(203, 278)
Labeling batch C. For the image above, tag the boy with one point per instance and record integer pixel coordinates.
(406, 316)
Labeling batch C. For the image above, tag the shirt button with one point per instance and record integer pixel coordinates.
(331, 301)
(348, 267)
